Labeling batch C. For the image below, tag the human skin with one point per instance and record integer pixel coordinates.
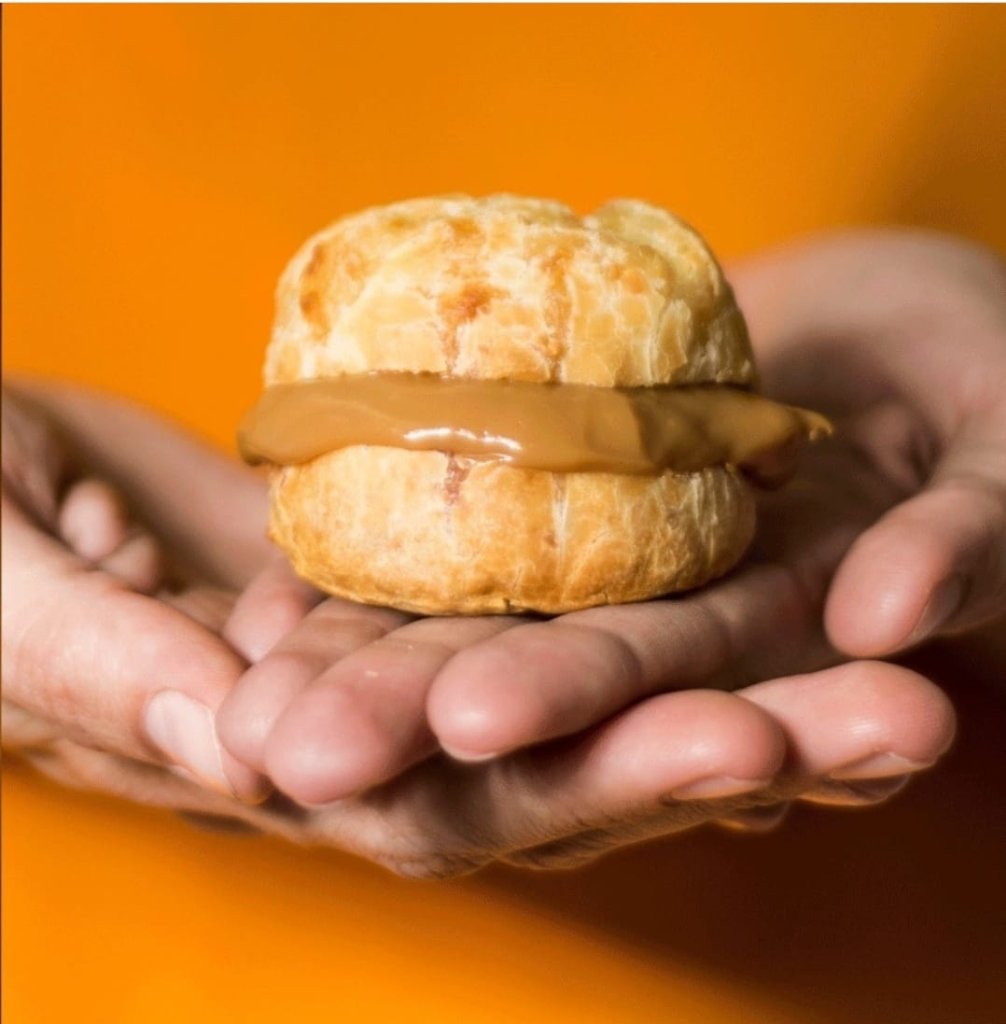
(437, 745)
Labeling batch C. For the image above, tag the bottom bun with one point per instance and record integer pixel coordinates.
(436, 534)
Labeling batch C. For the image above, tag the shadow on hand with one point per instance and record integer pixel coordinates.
(872, 916)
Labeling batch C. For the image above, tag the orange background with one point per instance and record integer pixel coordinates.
(161, 164)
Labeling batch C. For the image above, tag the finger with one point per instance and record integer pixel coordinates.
(269, 607)
(33, 482)
(548, 679)
(326, 634)
(859, 721)
(796, 303)
(363, 720)
(113, 668)
(95, 524)
(935, 564)
(664, 765)
(138, 562)
(93, 519)
(80, 767)
(209, 510)
(20, 730)
(856, 722)
(622, 790)
(209, 606)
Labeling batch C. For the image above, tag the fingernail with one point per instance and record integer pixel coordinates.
(183, 729)
(878, 789)
(943, 604)
(718, 787)
(855, 792)
(879, 766)
(467, 757)
(757, 819)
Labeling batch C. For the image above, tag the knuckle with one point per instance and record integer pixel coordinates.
(616, 655)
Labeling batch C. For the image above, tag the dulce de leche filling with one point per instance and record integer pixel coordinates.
(561, 428)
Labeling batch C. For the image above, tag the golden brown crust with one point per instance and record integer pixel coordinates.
(431, 533)
(504, 287)
(513, 288)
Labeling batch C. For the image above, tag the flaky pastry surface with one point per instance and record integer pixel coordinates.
(509, 288)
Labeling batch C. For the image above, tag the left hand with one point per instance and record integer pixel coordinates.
(124, 542)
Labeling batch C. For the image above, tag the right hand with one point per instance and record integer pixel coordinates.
(907, 499)
(336, 715)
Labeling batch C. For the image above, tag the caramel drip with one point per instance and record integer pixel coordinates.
(562, 428)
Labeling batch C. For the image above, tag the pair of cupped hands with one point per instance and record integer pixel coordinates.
(155, 647)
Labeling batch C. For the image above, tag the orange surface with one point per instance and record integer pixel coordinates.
(161, 164)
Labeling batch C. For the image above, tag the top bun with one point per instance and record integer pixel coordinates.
(509, 288)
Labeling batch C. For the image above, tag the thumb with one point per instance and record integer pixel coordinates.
(111, 668)
(934, 564)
